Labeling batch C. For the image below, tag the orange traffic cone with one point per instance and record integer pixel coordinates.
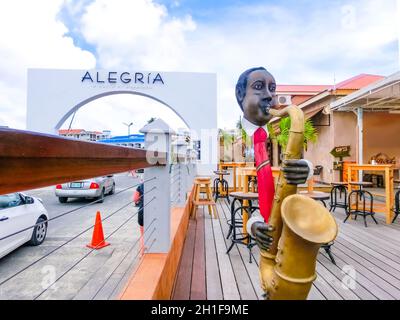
(98, 235)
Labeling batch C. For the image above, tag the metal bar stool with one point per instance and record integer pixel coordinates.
(361, 195)
(220, 186)
(338, 196)
(321, 196)
(396, 202)
(236, 221)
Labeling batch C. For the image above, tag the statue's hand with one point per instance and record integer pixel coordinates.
(296, 171)
(260, 231)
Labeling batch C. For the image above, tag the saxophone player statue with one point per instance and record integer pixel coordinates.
(291, 228)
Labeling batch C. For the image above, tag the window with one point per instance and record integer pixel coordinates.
(10, 200)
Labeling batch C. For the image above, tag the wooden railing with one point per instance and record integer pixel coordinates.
(31, 160)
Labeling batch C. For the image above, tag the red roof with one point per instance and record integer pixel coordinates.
(358, 82)
(71, 131)
(282, 88)
(354, 83)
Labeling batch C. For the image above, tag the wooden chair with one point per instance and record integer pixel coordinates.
(205, 183)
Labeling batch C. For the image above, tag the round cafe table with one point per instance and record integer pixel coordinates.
(316, 195)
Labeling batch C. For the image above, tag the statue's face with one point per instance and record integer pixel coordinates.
(260, 97)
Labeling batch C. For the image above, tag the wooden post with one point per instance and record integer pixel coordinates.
(310, 185)
(389, 194)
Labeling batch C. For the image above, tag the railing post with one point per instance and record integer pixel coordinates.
(157, 203)
(182, 155)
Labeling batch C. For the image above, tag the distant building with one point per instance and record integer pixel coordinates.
(334, 128)
(133, 141)
(85, 135)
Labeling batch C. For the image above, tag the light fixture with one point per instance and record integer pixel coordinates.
(129, 127)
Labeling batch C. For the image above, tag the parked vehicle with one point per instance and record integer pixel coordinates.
(18, 212)
(92, 188)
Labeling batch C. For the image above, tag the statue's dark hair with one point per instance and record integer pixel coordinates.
(241, 84)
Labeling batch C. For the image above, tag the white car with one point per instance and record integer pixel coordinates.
(91, 188)
(18, 212)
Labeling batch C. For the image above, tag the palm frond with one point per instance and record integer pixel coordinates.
(310, 133)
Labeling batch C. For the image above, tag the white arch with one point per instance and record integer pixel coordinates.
(105, 94)
(53, 95)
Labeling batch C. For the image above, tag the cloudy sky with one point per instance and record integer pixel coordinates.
(299, 41)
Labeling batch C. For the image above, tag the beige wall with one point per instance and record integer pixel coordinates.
(381, 134)
(341, 132)
(345, 126)
(318, 153)
(345, 134)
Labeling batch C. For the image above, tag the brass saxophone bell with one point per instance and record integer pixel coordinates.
(309, 219)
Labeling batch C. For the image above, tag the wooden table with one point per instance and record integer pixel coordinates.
(389, 192)
(247, 172)
(361, 184)
(234, 166)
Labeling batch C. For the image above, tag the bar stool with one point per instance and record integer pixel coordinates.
(236, 221)
(321, 196)
(220, 181)
(205, 183)
(396, 202)
(316, 195)
(361, 195)
(338, 188)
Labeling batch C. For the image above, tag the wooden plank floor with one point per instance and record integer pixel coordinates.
(367, 262)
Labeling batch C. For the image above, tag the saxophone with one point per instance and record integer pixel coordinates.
(301, 225)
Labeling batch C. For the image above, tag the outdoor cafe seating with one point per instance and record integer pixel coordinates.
(247, 199)
(237, 220)
(338, 196)
(220, 185)
(322, 197)
(396, 209)
(364, 202)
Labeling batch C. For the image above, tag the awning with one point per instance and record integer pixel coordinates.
(380, 96)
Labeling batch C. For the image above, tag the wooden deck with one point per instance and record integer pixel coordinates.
(368, 262)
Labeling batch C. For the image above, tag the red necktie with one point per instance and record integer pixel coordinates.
(265, 180)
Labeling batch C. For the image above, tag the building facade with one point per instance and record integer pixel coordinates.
(85, 135)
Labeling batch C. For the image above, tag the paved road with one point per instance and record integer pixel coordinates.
(101, 274)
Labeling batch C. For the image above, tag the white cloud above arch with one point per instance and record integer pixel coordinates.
(31, 35)
(304, 42)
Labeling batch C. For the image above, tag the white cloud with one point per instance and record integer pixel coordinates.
(307, 46)
(298, 45)
(31, 36)
(135, 34)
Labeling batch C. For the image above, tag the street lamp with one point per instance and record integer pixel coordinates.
(129, 127)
